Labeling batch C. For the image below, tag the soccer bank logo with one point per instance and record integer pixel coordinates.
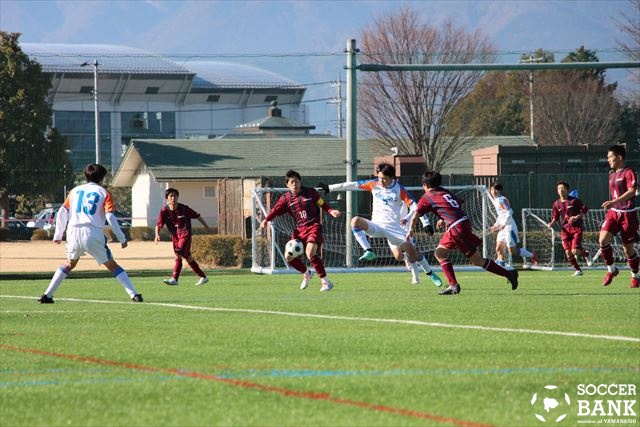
(550, 404)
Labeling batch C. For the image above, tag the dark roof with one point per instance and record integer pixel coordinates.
(193, 159)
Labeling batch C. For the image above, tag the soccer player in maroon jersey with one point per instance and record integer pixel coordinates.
(458, 232)
(177, 217)
(569, 211)
(304, 204)
(621, 217)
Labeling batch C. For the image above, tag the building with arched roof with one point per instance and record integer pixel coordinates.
(146, 95)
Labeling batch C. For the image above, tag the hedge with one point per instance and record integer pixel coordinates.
(221, 251)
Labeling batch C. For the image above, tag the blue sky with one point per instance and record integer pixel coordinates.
(314, 33)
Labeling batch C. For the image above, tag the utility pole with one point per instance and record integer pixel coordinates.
(338, 101)
(95, 64)
(530, 60)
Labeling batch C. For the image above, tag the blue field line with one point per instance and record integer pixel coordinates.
(296, 373)
(301, 373)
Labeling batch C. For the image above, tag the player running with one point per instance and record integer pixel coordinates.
(390, 199)
(506, 227)
(621, 217)
(458, 233)
(304, 204)
(569, 211)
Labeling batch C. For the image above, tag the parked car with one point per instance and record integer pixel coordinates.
(46, 219)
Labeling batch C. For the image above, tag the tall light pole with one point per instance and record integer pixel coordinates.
(530, 60)
(95, 64)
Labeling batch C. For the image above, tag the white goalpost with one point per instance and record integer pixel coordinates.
(267, 244)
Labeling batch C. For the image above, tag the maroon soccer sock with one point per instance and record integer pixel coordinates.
(298, 265)
(196, 268)
(447, 269)
(177, 268)
(574, 262)
(607, 254)
(494, 268)
(318, 266)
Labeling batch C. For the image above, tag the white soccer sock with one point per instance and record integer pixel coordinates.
(414, 272)
(425, 264)
(525, 253)
(122, 277)
(56, 280)
(361, 238)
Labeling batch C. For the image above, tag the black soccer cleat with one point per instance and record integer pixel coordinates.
(137, 298)
(44, 299)
(451, 290)
(513, 279)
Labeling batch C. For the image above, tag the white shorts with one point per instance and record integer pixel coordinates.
(395, 234)
(509, 235)
(91, 240)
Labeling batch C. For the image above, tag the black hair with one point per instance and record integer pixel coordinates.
(291, 174)
(497, 185)
(565, 183)
(618, 150)
(386, 169)
(94, 172)
(173, 191)
(432, 179)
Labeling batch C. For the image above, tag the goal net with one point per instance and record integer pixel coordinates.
(548, 244)
(338, 256)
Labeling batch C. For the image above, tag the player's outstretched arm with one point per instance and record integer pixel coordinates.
(323, 187)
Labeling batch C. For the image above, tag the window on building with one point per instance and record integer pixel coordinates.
(210, 191)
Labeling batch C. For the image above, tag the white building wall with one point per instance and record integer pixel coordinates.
(147, 198)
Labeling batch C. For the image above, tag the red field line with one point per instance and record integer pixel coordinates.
(256, 386)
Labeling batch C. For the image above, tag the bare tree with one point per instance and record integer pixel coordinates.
(414, 110)
(630, 26)
(572, 110)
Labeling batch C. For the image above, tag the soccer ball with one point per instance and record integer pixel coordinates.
(294, 248)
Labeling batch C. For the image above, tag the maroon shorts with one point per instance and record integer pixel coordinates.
(625, 223)
(461, 236)
(571, 239)
(182, 246)
(309, 234)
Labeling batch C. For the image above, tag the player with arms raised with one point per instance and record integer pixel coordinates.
(85, 211)
(458, 233)
(621, 217)
(390, 200)
(304, 204)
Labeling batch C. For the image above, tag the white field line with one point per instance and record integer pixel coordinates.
(352, 319)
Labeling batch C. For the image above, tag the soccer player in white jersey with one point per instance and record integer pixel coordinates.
(390, 201)
(506, 227)
(83, 215)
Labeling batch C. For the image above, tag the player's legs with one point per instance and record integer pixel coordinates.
(610, 227)
(60, 274)
(185, 252)
(629, 236)
(359, 228)
(121, 276)
(75, 249)
(568, 243)
(500, 256)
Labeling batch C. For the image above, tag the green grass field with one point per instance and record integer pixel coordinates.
(254, 350)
